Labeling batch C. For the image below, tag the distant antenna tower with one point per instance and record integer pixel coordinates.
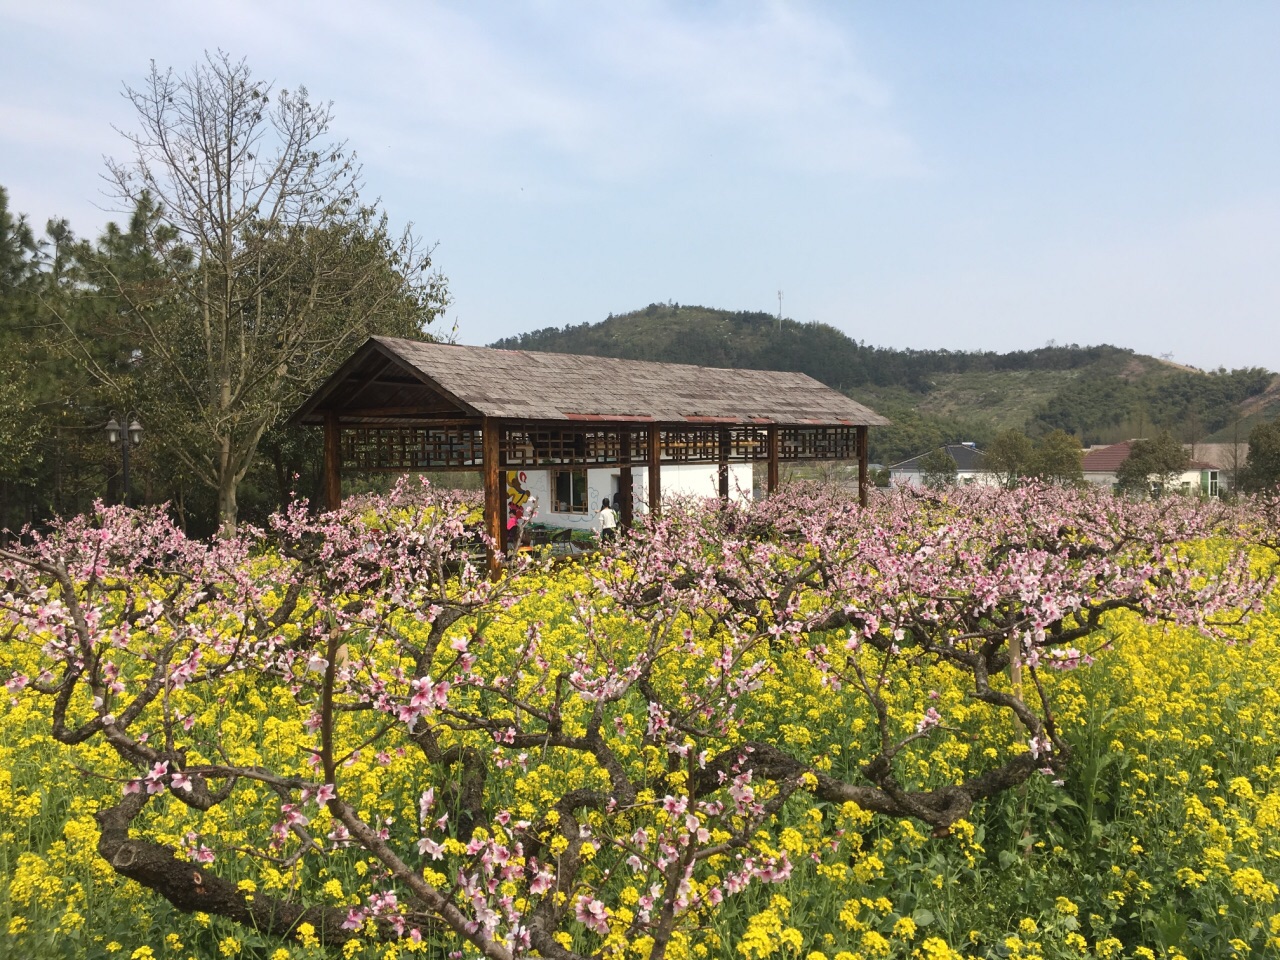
(779, 311)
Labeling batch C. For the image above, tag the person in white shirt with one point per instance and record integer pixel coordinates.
(608, 522)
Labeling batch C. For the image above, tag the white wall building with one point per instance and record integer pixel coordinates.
(968, 461)
(1101, 463)
(569, 497)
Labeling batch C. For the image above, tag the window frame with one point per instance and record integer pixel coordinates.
(556, 501)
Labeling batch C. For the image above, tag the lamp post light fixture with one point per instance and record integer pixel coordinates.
(126, 437)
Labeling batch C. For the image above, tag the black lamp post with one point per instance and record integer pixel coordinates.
(126, 437)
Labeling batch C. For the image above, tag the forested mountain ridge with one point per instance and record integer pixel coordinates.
(1099, 393)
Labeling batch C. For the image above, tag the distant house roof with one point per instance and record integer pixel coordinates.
(389, 374)
(968, 458)
(1108, 459)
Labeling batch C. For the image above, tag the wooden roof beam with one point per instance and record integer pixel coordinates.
(386, 362)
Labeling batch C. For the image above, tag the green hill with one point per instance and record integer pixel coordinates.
(1099, 393)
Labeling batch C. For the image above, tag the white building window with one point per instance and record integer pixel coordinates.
(569, 491)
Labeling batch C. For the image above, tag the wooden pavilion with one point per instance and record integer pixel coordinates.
(406, 405)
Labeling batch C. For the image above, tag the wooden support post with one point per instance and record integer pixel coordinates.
(625, 488)
(655, 470)
(332, 461)
(772, 435)
(495, 493)
(864, 481)
(503, 505)
(626, 494)
(723, 465)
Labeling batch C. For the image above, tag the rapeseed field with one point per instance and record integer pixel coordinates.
(1159, 838)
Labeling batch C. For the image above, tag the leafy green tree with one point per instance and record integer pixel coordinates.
(32, 395)
(938, 468)
(1262, 465)
(252, 267)
(17, 296)
(1153, 466)
(1057, 458)
(17, 255)
(1009, 456)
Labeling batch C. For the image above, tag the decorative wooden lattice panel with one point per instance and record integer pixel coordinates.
(747, 444)
(453, 447)
(695, 445)
(817, 443)
(702, 444)
(411, 448)
(532, 448)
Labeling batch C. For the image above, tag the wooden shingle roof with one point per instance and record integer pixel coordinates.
(524, 385)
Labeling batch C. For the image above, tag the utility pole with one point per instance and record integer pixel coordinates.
(779, 311)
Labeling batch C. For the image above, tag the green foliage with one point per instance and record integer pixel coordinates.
(1262, 466)
(938, 468)
(908, 432)
(1099, 393)
(759, 341)
(1058, 459)
(17, 280)
(1054, 458)
(17, 439)
(1103, 406)
(1009, 457)
(52, 459)
(250, 268)
(17, 253)
(1152, 465)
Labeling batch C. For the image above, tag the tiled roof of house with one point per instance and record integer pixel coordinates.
(524, 385)
(967, 458)
(1108, 459)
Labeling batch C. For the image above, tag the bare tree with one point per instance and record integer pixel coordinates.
(263, 266)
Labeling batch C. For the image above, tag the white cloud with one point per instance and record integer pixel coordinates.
(557, 92)
(560, 98)
(774, 77)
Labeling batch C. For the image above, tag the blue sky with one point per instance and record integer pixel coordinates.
(980, 175)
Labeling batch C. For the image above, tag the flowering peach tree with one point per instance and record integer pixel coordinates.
(574, 760)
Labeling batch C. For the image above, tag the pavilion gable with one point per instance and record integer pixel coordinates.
(376, 384)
